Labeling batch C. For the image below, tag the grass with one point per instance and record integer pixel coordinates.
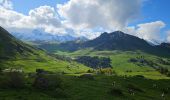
(43, 61)
(54, 66)
(121, 64)
(97, 89)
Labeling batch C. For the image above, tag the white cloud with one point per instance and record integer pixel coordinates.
(6, 4)
(108, 14)
(168, 36)
(148, 31)
(87, 18)
(43, 17)
(9, 18)
(90, 34)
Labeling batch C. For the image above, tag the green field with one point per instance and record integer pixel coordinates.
(45, 62)
(75, 88)
(120, 62)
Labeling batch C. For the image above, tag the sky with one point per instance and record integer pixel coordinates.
(146, 19)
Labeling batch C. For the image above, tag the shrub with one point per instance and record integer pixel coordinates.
(47, 82)
(13, 80)
(90, 71)
(133, 60)
(41, 71)
(168, 74)
(139, 76)
(1, 69)
(41, 83)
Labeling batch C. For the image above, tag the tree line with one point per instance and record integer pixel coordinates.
(95, 62)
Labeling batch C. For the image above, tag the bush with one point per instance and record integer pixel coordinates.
(13, 80)
(139, 76)
(47, 82)
(116, 92)
(90, 71)
(1, 70)
(168, 74)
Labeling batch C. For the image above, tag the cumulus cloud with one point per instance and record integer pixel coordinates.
(9, 18)
(87, 18)
(108, 14)
(168, 36)
(6, 4)
(148, 31)
(43, 17)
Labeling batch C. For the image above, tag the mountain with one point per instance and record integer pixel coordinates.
(37, 35)
(165, 45)
(11, 47)
(110, 41)
(117, 41)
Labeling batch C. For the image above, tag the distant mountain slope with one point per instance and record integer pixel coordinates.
(37, 35)
(165, 45)
(111, 41)
(107, 41)
(117, 41)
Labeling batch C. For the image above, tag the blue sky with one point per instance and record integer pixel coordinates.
(24, 6)
(89, 18)
(156, 10)
(152, 9)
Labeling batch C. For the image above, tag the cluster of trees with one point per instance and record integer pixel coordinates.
(164, 61)
(42, 80)
(95, 62)
(164, 71)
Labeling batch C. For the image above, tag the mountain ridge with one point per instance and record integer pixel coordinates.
(110, 41)
(37, 35)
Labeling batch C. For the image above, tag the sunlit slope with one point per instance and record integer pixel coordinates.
(16, 54)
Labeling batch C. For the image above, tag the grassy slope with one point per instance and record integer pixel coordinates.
(16, 54)
(38, 59)
(46, 62)
(98, 89)
(121, 64)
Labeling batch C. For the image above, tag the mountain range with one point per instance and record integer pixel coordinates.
(37, 35)
(111, 41)
(82, 66)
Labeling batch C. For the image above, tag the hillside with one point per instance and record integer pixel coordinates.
(123, 73)
(117, 41)
(16, 54)
(11, 47)
(129, 55)
(110, 41)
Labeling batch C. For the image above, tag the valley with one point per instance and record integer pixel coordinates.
(85, 70)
